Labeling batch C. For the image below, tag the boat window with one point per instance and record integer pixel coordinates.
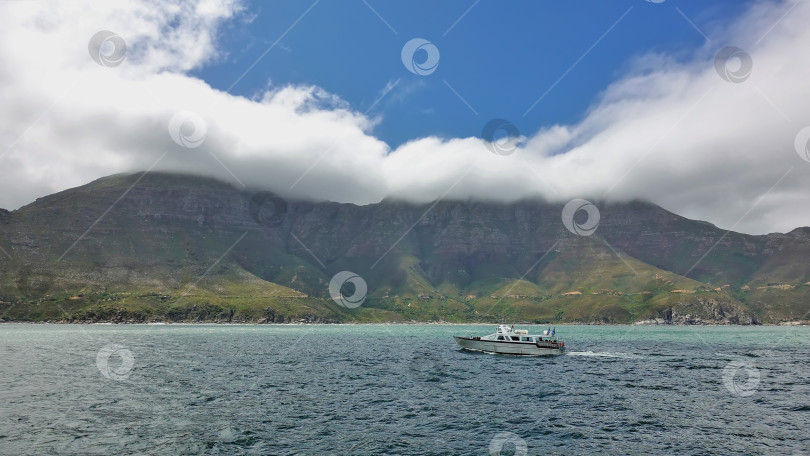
(515, 338)
(500, 337)
(526, 339)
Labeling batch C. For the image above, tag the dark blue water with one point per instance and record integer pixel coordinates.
(407, 390)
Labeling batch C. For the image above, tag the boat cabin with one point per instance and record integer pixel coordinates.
(509, 334)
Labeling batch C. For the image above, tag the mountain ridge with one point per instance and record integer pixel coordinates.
(179, 247)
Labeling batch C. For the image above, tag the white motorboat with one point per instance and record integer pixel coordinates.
(511, 341)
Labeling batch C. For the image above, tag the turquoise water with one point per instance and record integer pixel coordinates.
(400, 389)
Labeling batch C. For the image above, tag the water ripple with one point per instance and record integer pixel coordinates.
(400, 389)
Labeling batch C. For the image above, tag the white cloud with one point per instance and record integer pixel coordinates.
(669, 131)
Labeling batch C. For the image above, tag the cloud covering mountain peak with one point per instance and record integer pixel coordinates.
(672, 129)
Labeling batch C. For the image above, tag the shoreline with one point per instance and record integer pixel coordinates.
(441, 323)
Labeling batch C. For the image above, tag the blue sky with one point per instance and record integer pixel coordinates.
(639, 105)
(500, 57)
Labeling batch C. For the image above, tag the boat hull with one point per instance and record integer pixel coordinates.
(506, 348)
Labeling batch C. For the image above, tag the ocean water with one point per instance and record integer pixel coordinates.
(400, 389)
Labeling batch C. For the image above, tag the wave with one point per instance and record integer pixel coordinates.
(604, 354)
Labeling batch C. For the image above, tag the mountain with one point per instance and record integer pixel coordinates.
(169, 247)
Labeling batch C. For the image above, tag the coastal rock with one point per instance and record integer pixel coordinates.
(666, 315)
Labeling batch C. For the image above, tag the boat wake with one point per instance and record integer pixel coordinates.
(604, 354)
